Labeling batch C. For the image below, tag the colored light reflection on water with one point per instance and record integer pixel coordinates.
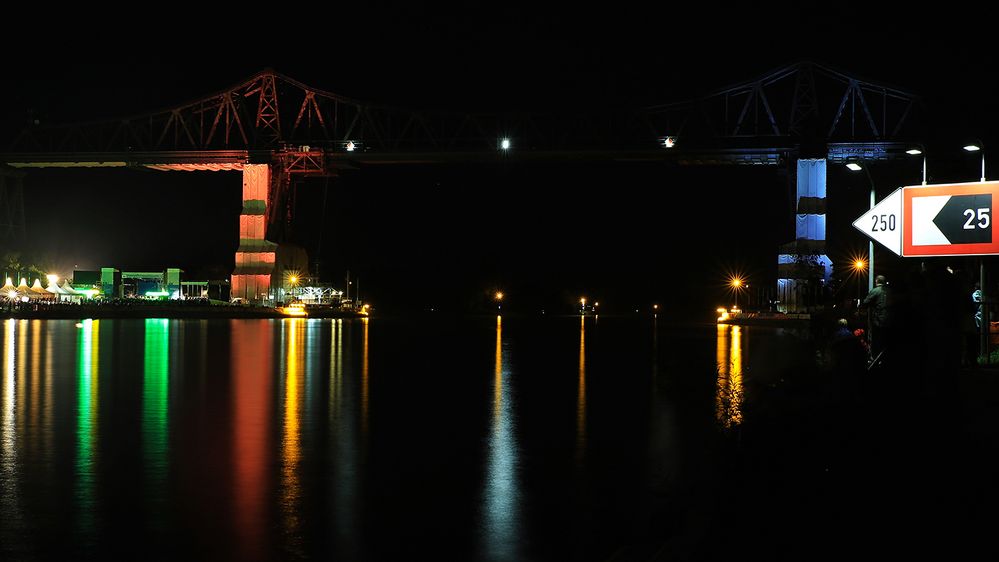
(251, 378)
(9, 485)
(497, 438)
(291, 438)
(88, 369)
(581, 394)
(729, 394)
(156, 403)
(501, 494)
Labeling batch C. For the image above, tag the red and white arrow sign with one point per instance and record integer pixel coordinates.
(949, 220)
(935, 220)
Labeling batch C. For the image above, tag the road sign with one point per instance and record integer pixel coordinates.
(883, 223)
(949, 220)
(935, 220)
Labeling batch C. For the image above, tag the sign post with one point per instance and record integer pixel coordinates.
(938, 220)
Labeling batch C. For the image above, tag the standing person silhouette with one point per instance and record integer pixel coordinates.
(876, 302)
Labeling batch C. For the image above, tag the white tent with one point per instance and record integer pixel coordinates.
(23, 290)
(70, 293)
(58, 291)
(39, 292)
(8, 290)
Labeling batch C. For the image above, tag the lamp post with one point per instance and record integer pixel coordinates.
(858, 266)
(499, 300)
(978, 146)
(736, 284)
(917, 151)
(855, 167)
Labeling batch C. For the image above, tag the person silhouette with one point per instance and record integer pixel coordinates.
(876, 303)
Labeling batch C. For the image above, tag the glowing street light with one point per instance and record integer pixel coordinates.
(292, 278)
(736, 284)
(499, 299)
(859, 265)
(977, 146)
(919, 151)
(505, 144)
(870, 244)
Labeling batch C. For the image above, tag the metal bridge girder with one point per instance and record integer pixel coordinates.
(787, 103)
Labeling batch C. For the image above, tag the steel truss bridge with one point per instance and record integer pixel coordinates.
(275, 129)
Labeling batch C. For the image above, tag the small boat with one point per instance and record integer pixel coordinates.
(293, 309)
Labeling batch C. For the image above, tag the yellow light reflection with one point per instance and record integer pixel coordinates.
(291, 443)
(22, 371)
(581, 393)
(498, 373)
(47, 405)
(7, 421)
(364, 380)
(36, 367)
(729, 395)
(9, 481)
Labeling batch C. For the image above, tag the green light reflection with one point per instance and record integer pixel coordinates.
(88, 364)
(155, 401)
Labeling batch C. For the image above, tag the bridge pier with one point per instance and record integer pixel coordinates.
(803, 268)
(251, 280)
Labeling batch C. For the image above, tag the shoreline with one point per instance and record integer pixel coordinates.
(152, 311)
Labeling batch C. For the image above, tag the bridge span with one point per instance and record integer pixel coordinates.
(275, 130)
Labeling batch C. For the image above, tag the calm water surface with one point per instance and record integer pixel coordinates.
(475, 438)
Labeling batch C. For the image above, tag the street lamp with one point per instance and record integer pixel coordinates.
(977, 146)
(499, 300)
(582, 305)
(736, 284)
(917, 151)
(859, 265)
(855, 167)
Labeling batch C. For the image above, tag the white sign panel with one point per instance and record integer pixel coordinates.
(883, 223)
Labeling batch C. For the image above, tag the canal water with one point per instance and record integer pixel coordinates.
(547, 438)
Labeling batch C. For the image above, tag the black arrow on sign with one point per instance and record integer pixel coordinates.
(962, 217)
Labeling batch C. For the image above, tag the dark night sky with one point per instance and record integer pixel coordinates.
(446, 235)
